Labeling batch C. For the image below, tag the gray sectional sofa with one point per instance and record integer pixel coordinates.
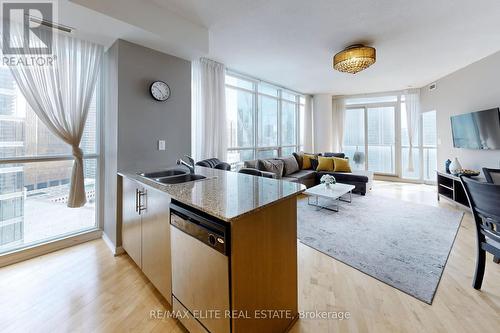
(290, 168)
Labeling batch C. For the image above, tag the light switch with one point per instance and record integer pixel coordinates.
(161, 144)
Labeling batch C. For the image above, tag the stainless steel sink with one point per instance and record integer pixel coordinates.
(179, 179)
(164, 173)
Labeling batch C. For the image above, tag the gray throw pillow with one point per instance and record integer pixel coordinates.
(290, 165)
(253, 164)
(299, 159)
(274, 166)
(339, 155)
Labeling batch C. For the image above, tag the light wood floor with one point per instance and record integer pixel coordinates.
(86, 289)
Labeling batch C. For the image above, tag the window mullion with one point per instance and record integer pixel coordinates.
(256, 109)
(280, 110)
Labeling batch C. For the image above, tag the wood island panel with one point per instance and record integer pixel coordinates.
(264, 267)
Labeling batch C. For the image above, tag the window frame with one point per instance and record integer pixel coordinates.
(256, 96)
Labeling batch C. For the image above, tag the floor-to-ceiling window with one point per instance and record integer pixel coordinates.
(35, 172)
(429, 146)
(371, 131)
(376, 138)
(263, 120)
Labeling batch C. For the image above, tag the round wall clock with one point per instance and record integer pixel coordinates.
(160, 91)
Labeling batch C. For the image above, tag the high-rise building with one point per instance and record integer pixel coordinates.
(12, 128)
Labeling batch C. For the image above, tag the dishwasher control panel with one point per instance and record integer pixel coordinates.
(211, 233)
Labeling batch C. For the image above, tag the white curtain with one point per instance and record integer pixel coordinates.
(412, 101)
(60, 94)
(209, 110)
(306, 125)
(339, 123)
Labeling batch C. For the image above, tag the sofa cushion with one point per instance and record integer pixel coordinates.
(298, 157)
(290, 165)
(339, 155)
(344, 177)
(314, 164)
(301, 175)
(324, 164)
(305, 165)
(341, 165)
(274, 166)
(253, 164)
(306, 161)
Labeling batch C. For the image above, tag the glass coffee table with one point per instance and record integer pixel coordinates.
(335, 192)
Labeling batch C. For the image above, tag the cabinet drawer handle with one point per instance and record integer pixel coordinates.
(136, 200)
(141, 207)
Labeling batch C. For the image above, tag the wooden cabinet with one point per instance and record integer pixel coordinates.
(146, 232)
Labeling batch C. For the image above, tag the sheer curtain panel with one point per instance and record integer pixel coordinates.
(412, 101)
(209, 110)
(338, 122)
(60, 94)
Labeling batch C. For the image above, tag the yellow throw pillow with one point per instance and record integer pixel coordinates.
(325, 164)
(341, 164)
(306, 161)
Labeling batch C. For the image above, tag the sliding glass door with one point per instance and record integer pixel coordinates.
(354, 137)
(370, 138)
(381, 139)
(376, 138)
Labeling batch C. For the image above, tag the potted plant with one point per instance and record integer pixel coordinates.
(328, 180)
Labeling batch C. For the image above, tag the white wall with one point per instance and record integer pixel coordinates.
(323, 123)
(473, 88)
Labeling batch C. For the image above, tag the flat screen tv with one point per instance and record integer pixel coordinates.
(477, 130)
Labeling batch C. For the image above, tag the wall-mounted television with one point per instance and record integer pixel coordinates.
(477, 130)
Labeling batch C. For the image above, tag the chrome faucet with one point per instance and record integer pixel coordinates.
(189, 165)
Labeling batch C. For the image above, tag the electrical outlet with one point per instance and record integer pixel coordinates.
(161, 144)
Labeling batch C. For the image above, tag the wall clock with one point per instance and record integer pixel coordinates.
(160, 91)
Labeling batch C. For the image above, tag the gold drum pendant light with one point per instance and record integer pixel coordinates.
(354, 59)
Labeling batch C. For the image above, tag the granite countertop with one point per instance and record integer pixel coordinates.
(224, 194)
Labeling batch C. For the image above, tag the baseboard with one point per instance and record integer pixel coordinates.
(116, 250)
(13, 257)
(402, 180)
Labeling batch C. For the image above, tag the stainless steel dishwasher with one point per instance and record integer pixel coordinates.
(200, 269)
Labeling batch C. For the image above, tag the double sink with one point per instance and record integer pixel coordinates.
(172, 176)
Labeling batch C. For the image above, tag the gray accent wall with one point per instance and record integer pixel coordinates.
(134, 121)
(473, 88)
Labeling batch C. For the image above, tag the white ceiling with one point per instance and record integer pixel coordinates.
(291, 42)
(104, 21)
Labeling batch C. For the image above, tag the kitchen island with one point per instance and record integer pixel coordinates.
(258, 250)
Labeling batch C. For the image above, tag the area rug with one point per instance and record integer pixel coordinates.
(403, 244)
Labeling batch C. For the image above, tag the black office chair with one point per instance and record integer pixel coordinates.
(483, 200)
(258, 173)
(492, 175)
(214, 163)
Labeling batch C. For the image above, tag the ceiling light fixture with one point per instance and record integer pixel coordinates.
(354, 59)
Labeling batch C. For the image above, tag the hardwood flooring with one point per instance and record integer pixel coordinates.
(86, 289)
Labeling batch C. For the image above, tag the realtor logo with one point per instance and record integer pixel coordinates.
(23, 30)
